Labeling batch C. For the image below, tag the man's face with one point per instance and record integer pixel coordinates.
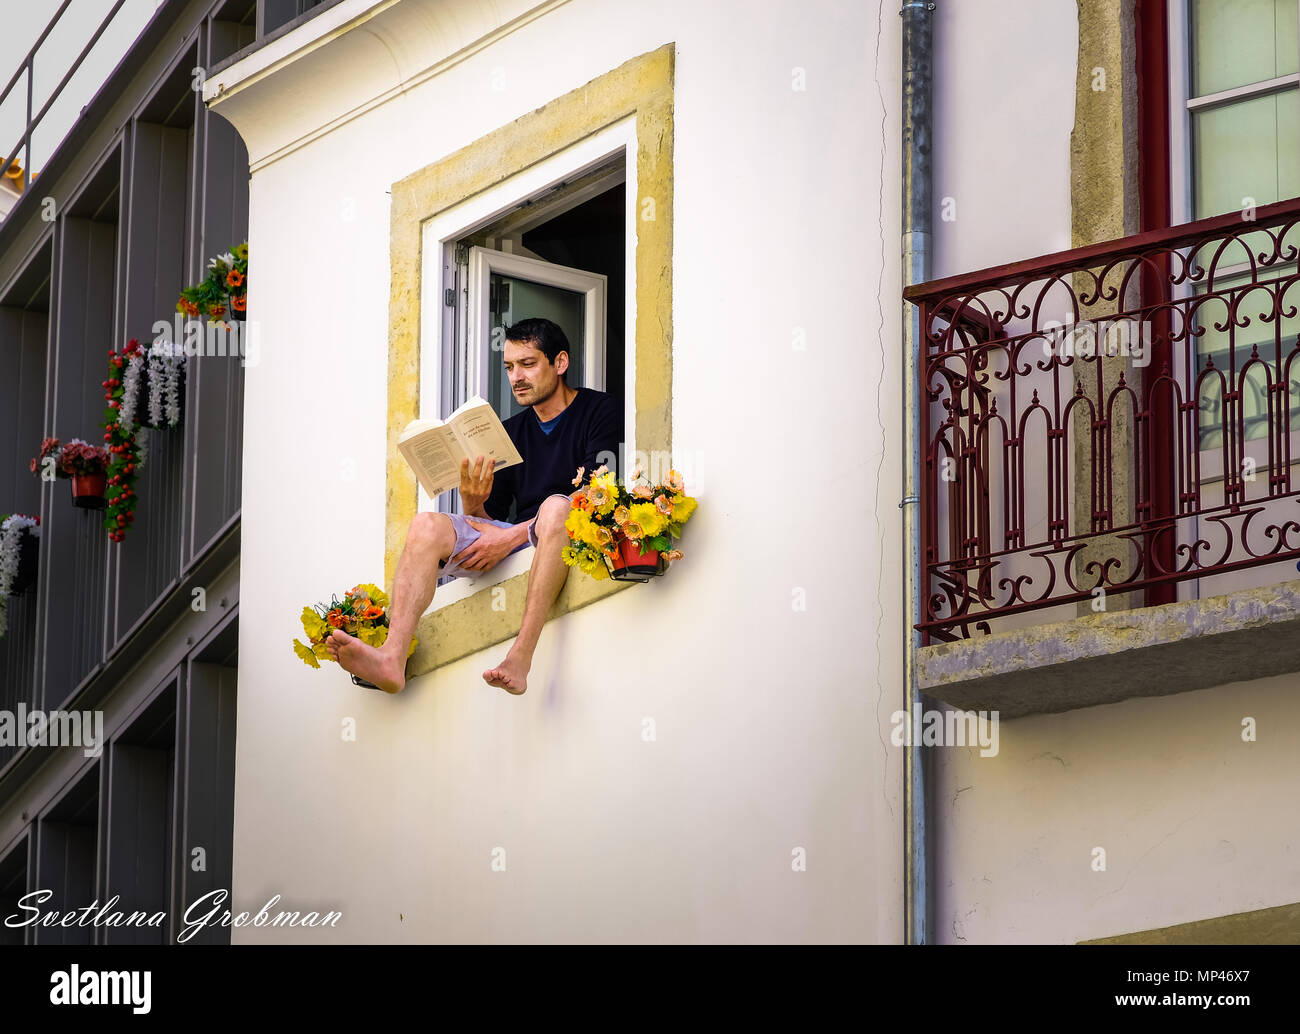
(533, 377)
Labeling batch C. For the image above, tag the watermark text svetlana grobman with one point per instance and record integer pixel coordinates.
(946, 728)
(205, 911)
(190, 337)
(24, 728)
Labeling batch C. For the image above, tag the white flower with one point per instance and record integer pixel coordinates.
(173, 391)
(156, 389)
(126, 413)
(11, 538)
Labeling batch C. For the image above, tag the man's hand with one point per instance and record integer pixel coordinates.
(486, 551)
(476, 484)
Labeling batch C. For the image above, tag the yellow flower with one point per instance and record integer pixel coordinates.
(314, 625)
(683, 507)
(569, 555)
(373, 635)
(648, 516)
(607, 497)
(305, 652)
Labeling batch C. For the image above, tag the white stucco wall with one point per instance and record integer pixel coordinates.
(772, 724)
(1003, 110)
(1195, 822)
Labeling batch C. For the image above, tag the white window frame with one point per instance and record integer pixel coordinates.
(483, 262)
(438, 336)
(1182, 106)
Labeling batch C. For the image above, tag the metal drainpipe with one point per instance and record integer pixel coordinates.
(917, 194)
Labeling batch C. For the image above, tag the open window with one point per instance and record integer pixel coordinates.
(556, 249)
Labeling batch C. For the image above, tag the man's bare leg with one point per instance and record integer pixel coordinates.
(431, 538)
(545, 579)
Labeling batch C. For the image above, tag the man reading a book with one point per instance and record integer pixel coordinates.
(562, 430)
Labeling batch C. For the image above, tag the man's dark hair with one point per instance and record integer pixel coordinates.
(544, 335)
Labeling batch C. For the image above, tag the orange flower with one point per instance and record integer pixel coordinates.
(216, 310)
(673, 554)
(674, 482)
(633, 530)
(239, 302)
(643, 491)
(620, 515)
(335, 617)
(189, 308)
(374, 612)
(234, 278)
(664, 505)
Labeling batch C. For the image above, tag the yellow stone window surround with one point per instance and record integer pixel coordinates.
(642, 87)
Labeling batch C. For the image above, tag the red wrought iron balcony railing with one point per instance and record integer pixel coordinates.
(1119, 418)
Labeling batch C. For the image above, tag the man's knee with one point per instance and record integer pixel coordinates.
(435, 529)
(551, 516)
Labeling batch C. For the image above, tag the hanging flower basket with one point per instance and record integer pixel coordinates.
(85, 464)
(162, 390)
(29, 557)
(19, 540)
(223, 293)
(88, 491)
(362, 613)
(625, 531)
(631, 563)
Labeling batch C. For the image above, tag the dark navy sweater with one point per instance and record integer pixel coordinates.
(589, 425)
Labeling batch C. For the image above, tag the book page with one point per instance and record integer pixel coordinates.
(481, 433)
(435, 457)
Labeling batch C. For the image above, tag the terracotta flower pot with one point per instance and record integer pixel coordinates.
(88, 491)
(28, 559)
(631, 561)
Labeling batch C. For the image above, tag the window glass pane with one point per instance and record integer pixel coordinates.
(1247, 149)
(1238, 42)
(514, 300)
(1230, 349)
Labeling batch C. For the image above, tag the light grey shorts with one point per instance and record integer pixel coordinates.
(467, 533)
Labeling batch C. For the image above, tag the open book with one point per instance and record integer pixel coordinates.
(434, 448)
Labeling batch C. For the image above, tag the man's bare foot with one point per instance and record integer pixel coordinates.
(510, 675)
(384, 669)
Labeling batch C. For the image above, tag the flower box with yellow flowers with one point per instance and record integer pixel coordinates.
(626, 532)
(363, 613)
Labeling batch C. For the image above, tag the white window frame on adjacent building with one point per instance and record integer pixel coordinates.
(1182, 106)
(453, 352)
